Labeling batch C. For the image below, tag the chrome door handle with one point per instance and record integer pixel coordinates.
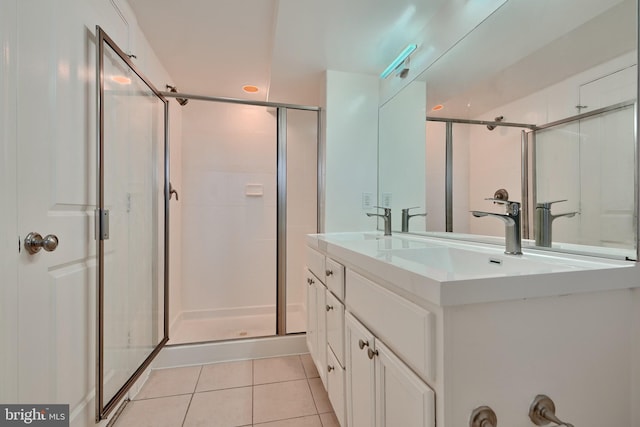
(34, 242)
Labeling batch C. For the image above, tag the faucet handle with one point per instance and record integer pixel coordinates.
(547, 205)
(412, 207)
(513, 208)
(501, 201)
(387, 211)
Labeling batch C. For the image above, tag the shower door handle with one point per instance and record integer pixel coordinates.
(172, 191)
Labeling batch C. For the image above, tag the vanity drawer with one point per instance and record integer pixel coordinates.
(335, 326)
(315, 262)
(409, 330)
(334, 277)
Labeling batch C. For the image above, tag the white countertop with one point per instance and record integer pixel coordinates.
(450, 272)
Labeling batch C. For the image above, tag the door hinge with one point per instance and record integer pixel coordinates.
(102, 224)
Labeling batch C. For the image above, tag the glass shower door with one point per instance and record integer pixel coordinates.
(131, 227)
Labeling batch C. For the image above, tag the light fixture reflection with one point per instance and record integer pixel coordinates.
(121, 80)
(250, 88)
(399, 60)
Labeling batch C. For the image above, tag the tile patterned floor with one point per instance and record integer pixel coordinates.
(275, 392)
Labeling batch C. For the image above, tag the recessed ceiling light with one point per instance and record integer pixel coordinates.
(250, 88)
(438, 107)
(121, 80)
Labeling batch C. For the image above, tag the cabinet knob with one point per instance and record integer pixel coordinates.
(329, 307)
(372, 353)
(329, 272)
(362, 344)
(330, 368)
(310, 281)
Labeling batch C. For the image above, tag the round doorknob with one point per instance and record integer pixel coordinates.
(34, 242)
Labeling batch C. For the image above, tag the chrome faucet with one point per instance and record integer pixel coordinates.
(544, 222)
(513, 239)
(387, 219)
(406, 217)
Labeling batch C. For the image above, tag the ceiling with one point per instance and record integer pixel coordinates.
(214, 47)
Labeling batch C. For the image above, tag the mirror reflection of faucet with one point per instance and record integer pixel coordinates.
(406, 217)
(544, 222)
(386, 217)
(513, 236)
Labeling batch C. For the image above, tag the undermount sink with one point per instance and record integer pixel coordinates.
(467, 264)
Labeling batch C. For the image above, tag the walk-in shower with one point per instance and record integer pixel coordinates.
(246, 174)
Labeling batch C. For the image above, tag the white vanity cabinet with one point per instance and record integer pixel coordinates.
(325, 325)
(381, 386)
(497, 340)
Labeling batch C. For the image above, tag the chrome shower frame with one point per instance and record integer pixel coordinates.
(281, 114)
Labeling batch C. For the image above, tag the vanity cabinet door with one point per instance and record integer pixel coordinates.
(402, 398)
(316, 324)
(335, 386)
(321, 350)
(360, 374)
(312, 315)
(335, 326)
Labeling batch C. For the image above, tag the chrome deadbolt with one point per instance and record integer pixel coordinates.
(34, 242)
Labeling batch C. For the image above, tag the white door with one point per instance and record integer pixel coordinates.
(607, 157)
(360, 371)
(55, 157)
(402, 399)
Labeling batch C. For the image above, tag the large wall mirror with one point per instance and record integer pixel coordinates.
(537, 102)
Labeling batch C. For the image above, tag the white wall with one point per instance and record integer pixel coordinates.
(8, 213)
(302, 205)
(350, 146)
(401, 172)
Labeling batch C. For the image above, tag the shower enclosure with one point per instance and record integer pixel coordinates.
(246, 182)
(246, 191)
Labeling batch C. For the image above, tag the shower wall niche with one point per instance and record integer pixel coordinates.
(228, 209)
